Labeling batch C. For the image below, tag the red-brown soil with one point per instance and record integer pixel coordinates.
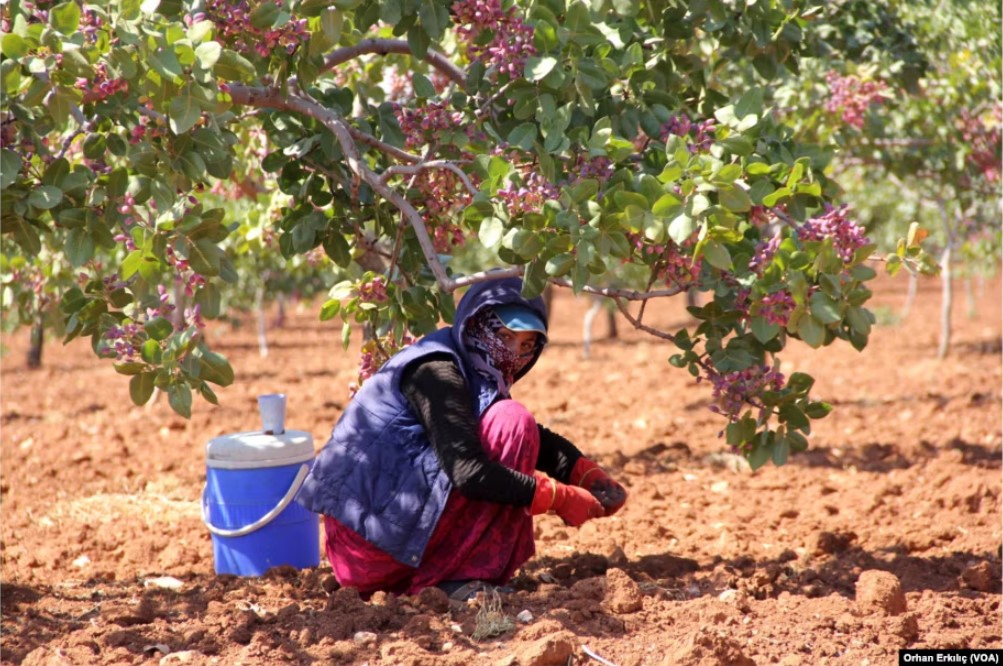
(886, 533)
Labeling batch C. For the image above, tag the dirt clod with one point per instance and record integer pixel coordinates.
(622, 594)
(880, 592)
(983, 577)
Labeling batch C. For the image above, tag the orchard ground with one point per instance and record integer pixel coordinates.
(886, 533)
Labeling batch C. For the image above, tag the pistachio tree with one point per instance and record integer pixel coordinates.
(567, 138)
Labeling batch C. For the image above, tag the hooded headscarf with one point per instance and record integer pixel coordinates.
(489, 355)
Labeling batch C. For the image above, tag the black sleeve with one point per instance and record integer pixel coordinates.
(438, 394)
(557, 455)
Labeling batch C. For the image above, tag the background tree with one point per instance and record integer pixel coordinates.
(565, 137)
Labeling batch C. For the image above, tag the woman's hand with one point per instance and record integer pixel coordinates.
(586, 474)
(574, 505)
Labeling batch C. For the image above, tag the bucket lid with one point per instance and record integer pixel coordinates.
(248, 450)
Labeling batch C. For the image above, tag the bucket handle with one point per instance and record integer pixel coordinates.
(265, 519)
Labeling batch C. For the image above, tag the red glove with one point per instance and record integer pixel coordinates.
(586, 474)
(574, 505)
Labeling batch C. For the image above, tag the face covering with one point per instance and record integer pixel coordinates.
(489, 355)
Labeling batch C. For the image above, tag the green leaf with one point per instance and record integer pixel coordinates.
(179, 394)
(560, 264)
(781, 450)
(735, 199)
(204, 257)
(523, 135)
(794, 418)
(215, 368)
(760, 454)
(538, 67)
(389, 126)
(817, 410)
(79, 246)
(263, 16)
(422, 86)
(45, 197)
(65, 18)
(232, 66)
(764, 330)
(208, 54)
(130, 368)
(158, 328)
(717, 255)
(330, 309)
(811, 331)
(491, 231)
(141, 388)
(800, 382)
(13, 46)
(10, 167)
(184, 111)
(824, 308)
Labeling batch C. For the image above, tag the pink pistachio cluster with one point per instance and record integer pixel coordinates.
(511, 39)
(851, 96)
(233, 21)
(984, 140)
(125, 341)
(775, 307)
(529, 196)
(424, 125)
(374, 353)
(441, 191)
(599, 168)
(763, 255)
(101, 87)
(676, 268)
(374, 291)
(847, 236)
(733, 390)
(700, 134)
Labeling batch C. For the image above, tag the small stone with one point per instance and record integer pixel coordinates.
(164, 582)
(524, 616)
(181, 657)
(981, 577)
(728, 596)
(881, 592)
(364, 637)
(553, 650)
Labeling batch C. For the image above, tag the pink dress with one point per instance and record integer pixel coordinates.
(473, 539)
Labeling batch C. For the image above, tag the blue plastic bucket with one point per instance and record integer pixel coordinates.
(247, 504)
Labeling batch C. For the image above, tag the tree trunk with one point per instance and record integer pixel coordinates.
(946, 302)
(971, 310)
(37, 339)
(910, 296)
(280, 318)
(947, 288)
(259, 306)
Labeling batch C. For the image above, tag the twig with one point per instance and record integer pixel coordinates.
(385, 46)
(639, 326)
(601, 660)
(372, 141)
(432, 164)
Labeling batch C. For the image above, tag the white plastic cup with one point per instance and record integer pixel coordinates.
(273, 413)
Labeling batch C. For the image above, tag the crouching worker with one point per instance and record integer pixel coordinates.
(433, 473)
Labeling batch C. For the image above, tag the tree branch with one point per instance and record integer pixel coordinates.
(431, 164)
(638, 325)
(385, 46)
(302, 103)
